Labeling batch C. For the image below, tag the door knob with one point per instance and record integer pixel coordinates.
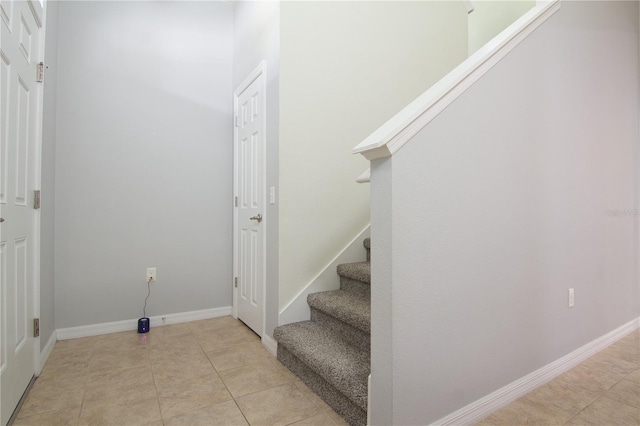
(257, 217)
(1, 219)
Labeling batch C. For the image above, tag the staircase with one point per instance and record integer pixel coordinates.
(331, 353)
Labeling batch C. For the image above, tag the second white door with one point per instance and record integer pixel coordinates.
(250, 209)
(20, 129)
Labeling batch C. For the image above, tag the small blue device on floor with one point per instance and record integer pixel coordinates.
(143, 325)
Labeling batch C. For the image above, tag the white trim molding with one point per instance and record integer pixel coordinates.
(270, 344)
(132, 324)
(46, 351)
(365, 177)
(400, 129)
(481, 408)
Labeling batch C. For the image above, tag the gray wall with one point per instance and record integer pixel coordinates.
(257, 39)
(498, 207)
(143, 159)
(47, 212)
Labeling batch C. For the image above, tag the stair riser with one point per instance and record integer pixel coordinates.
(352, 413)
(355, 286)
(352, 335)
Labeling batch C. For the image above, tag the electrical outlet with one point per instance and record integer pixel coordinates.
(151, 274)
(571, 297)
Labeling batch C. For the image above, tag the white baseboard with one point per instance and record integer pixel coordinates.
(132, 324)
(481, 408)
(327, 279)
(270, 343)
(46, 351)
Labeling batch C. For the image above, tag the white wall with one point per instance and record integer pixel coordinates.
(143, 159)
(257, 39)
(490, 17)
(346, 68)
(47, 228)
(494, 210)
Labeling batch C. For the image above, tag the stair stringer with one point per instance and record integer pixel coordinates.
(298, 310)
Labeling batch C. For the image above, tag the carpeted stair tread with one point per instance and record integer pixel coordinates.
(326, 353)
(359, 271)
(347, 306)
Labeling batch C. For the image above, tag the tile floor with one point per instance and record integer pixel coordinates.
(604, 390)
(216, 372)
(211, 372)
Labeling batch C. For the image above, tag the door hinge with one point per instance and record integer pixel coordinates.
(36, 199)
(36, 327)
(235, 282)
(41, 68)
(236, 202)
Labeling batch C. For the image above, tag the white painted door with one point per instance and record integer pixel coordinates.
(250, 212)
(20, 130)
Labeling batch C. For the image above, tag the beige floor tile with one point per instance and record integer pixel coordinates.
(490, 420)
(605, 411)
(220, 339)
(81, 343)
(118, 360)
(164, 344)
(569, 397)
(182, 396)
(526, 411)
(252, 378)
(53, 395)
(219, 323)
(624, 350)
(171, 329)
(119, 383)
(225, 414)
(155, 423)
(315, 399)
(173, 350)
(273, 362)
(69, 357)
(625, 391)
(634, 376)
(140, 411)
(63, 417)
(63, 378)
(276, 406)
(590, 379)
(607, 362)
(238, 356)
(319, 419)
(182, 367)
(336, 418)
(75, 375)
(124, 341)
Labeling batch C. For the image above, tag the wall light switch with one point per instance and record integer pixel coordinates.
(272, 195)
(571, 297)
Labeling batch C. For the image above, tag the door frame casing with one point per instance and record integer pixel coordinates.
(39, 10)
(259, 71)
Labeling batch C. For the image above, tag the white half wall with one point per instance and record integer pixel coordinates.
(143, 159)
(524, 187)
(346, 68)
